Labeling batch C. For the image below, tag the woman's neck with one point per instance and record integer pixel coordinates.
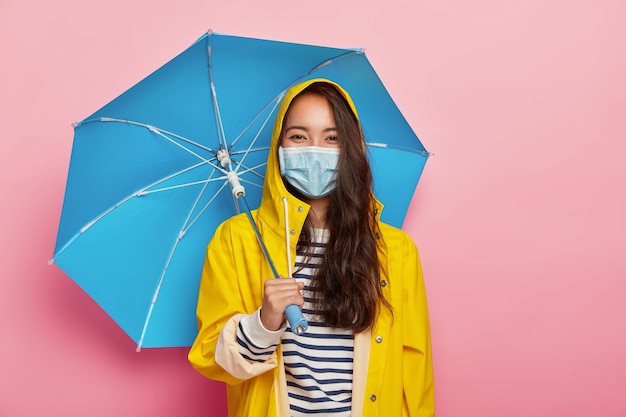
(317, 213)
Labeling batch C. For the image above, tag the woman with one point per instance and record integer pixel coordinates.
(359, 281)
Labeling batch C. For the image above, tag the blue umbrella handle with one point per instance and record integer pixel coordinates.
(296, 319)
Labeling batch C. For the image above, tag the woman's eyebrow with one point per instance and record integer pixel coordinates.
(297, 128)
(306, 129)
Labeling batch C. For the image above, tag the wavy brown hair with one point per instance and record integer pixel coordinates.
(346, 289)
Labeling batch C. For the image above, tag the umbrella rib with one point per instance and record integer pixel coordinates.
(158, 132)
(264, 148)
(187, 184)
(275, 101)
(400, 148)
(164, 134)
(251, 183)
(89, 224)
(154, 129)
(325, 64)
(186, 226)
(206, 206)
(146, 190)
(256, 137)
(135, 194)
(252, 170)
(334, 59)
(221, 136)
(156, 295)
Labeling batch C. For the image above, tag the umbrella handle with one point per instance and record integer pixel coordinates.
(296, 319)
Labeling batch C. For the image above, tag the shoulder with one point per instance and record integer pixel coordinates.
(234, 223)
(396, 238)
(231, 230)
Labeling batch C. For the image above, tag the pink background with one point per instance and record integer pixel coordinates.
(519, 216)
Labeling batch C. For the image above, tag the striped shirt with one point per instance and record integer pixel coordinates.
(318, 363)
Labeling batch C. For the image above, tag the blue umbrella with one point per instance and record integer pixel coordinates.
(145, 190)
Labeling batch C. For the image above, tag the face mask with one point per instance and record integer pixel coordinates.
(311, 170)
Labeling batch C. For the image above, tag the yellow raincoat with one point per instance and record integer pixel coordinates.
(392, 363)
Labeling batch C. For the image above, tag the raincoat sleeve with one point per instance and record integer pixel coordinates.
(418, 384)
(224, 299)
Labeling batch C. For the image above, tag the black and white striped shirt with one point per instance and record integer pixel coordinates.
(318, 363)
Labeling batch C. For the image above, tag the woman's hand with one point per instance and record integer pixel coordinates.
(278, 295)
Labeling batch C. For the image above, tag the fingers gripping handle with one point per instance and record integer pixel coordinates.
(296, 319)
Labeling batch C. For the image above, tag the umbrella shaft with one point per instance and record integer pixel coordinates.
(242, 199)
(296, 319)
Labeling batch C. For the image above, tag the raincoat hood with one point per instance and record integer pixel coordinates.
(274, 185)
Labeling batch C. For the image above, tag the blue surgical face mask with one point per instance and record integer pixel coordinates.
(312, 170)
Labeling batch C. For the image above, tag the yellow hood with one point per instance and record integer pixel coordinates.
(271, 209)
(274, 185)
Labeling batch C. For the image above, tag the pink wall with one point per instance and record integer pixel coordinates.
(519, 216)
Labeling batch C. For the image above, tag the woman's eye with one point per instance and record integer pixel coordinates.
(332, 138)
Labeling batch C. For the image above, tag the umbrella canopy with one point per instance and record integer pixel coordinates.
(145, 190)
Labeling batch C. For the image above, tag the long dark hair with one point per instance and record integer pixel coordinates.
(346, 289)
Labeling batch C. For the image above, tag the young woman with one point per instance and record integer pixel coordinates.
(359, 281)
